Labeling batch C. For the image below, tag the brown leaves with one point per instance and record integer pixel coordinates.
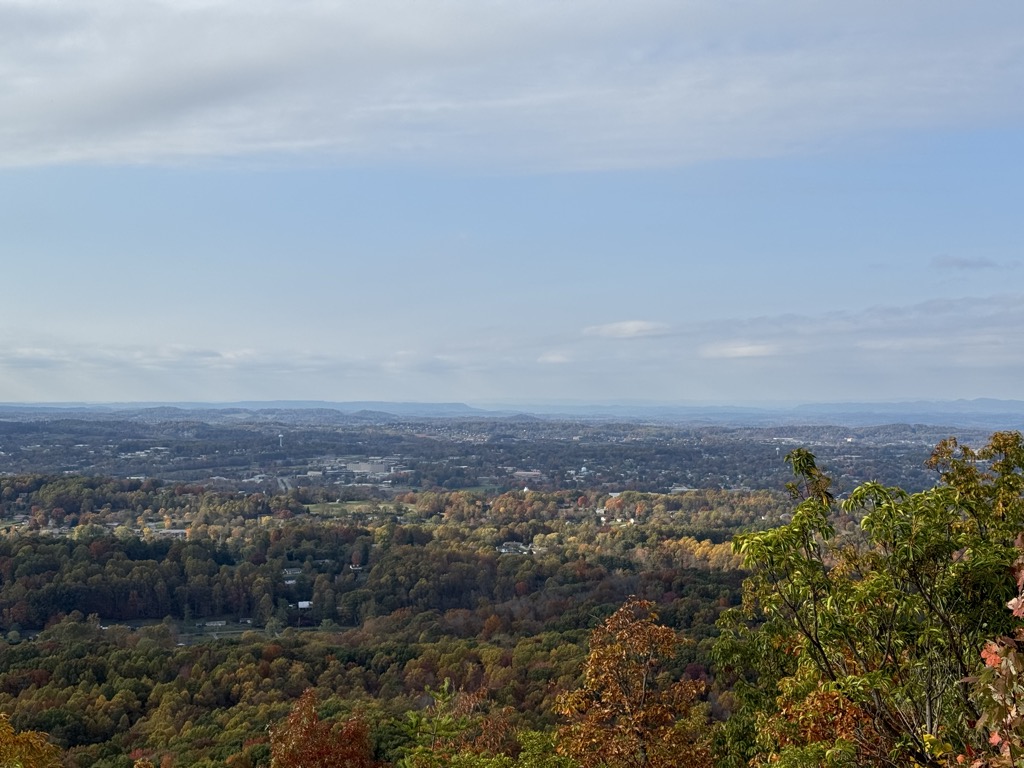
(819, 718)
(302, 741)
(625, 715)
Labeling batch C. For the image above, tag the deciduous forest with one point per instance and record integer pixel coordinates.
(153, 624)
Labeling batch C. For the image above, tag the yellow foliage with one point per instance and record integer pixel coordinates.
(28, 749)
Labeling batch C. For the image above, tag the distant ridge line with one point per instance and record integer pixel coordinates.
(986, 413)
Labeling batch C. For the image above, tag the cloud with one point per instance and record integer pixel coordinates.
(738, 349)
(530, 84)
(626, 329)
(34, 358)
(988, 331)
(968, 264)
(553, 358)
(966, 347)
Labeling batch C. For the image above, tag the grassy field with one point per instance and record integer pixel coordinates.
(342, 508)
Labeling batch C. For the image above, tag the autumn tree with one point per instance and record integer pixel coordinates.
(27, 749)
(627, 714)
(303, 741)
(998, 691)
(863, 642)
(438, 732)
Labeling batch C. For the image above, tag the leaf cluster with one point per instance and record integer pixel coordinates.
(869, 639)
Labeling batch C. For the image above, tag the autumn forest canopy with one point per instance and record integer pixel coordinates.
(159, 624)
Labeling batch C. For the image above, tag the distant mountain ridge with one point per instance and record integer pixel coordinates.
(987, 413)
(978, 405)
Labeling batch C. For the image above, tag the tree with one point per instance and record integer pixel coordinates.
(434, 734)
(303, 741)
(537, 751)
(28, 749)
(627, 715)
(999, 690)
(866, 637)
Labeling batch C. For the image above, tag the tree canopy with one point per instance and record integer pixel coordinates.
(859, 641)
(627, 713)
(877, 627)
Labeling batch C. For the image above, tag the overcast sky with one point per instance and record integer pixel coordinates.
(502, 202)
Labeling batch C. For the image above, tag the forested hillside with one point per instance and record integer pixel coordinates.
(175, 626)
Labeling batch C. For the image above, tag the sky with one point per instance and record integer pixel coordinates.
(491, 202)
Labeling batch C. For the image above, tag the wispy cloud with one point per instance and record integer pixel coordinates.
(626, 329)
(969, 264)
(534, 84)
(738, 349)
(966, 347)
(553, 358)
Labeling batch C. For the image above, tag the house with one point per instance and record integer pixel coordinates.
(513, 548)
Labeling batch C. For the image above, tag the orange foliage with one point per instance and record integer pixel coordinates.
(302, 741)
(625, 715)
